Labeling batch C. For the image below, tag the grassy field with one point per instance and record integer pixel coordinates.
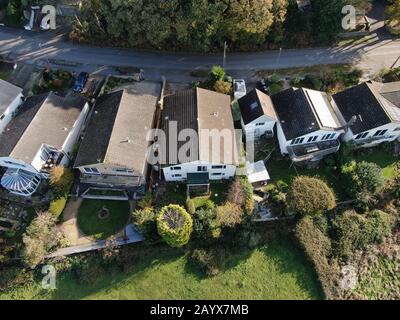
(383, 159)
(283, 170)
(92, 226)
(274, 271)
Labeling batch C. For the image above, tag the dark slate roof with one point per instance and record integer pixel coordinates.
(295, 113)
(362, 101)
(15, 129)
(254, 105)
(117, 131)
(98, 132)
(182, 108)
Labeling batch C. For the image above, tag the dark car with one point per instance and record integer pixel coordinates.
(80, 82)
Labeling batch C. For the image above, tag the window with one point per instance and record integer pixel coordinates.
(202, 168)
(91, 170)
(2, 116)
(329, 136)
(397, 129)
(380, 133)
(297, 141)
(260, 124)
(312, 139)
(176, 175)
(176, 168)
(123, 170)
(218, 167)
(217, 174)
(361, 135)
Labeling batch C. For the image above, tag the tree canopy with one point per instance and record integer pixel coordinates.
(204, 25)
(308, 195)
(174, 225)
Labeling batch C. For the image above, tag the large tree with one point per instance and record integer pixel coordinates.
(40, 238)
(393, 12)
(199, 25)
(327, 19)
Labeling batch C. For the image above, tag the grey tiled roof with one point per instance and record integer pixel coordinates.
(116, 133)
(8, 93)
(199, 109)
(50, 124)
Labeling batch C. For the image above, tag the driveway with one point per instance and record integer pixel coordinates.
(69, 225)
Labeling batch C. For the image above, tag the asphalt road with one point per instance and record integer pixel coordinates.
(34, 47)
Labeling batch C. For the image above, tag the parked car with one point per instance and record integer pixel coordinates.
(263, 85)
(80, 82)
(239, 88)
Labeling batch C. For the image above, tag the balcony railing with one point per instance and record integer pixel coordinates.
(313, 151)
(111, 180)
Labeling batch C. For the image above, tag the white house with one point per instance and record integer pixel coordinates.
(258, 116)
(10, 99)
(374, 110)
(113, 153)
(308, 128)
(200, 137)
(42, 135)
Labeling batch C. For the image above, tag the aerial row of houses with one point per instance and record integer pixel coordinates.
(311, 124)
(109, 143)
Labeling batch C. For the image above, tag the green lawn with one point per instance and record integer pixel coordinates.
(90, 223)
(176, 194)
(283, 170)
(382, 158)
(274, 271)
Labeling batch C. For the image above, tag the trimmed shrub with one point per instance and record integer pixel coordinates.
(205, 224)
(57, 206)
(229, 215)
(145, 221)
(275, 88)
(223, 87)
(317, 247)
(217, 73)
(174, 225)
(353, 231)
(363, 177)
(146, 201)
(61, 179)
(308, 195)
